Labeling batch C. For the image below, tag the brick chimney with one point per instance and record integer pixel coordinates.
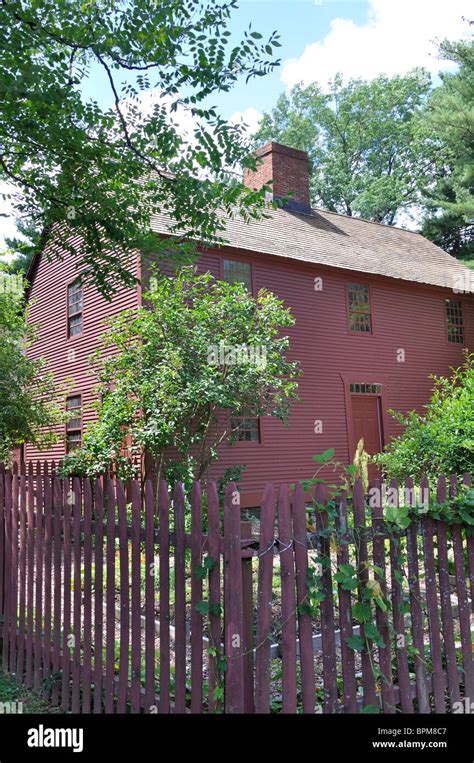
(288, 168)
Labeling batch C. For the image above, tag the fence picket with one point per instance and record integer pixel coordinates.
(362, 557)
(180, 599)
(196, 598)
(328, 640)
(38, 572)
(150, 577)
(463, 603)
(57, 621)
(7, 598)
(98, 593)
(416, 609)
(288, 602)
(124, 599)
(433, 617)
(264, 612)
(396, 576)
(20, 660)
(30, 557)
(305, 626)
(214, 595)
(163, 536)
(87, 646)
(233, 625)
(48, 561)
(110, 600)
(66, 661)
(345, 612)
(445, 596)
(136, 598)
(77, 594)
(385, 657)
(14, 570)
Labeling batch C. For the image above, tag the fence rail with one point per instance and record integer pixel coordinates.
(119, 598)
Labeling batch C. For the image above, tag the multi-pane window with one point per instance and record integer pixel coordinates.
(73, 423)
(74, 308)
(238, 272)
(365, 389)
(245, 427)
(359, 308)
(455, 321)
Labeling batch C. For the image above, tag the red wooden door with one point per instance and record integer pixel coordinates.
(367, 424)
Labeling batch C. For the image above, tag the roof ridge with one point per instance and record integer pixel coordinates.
(371, 222)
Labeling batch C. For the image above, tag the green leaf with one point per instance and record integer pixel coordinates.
(202, 607)
(355, 642)
(362, 611)
(322, 458)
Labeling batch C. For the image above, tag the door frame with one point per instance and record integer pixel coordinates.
(361, 377)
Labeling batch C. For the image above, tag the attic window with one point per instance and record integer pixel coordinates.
(454, 321)
(74, 308)
(245, 427)
(238, 272)
(360, 320)
(74, 422)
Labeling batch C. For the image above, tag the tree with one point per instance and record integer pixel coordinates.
(23, 247)
(198, 349)
(29, 404)
(450, 118)
(440, 441)
(368, 155)
(100, 172)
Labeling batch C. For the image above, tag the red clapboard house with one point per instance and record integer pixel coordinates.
(378, 309)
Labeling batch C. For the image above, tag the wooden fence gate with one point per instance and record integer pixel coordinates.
(117, 599)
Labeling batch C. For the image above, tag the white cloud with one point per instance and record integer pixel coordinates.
(250, 118)
(399, 35)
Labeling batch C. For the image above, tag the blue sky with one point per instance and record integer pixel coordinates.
(358, 38)
(299, 23)
(322, 37)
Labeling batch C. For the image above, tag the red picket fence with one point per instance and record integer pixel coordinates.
(114, 599)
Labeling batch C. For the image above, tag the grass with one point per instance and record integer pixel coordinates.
(31, 701)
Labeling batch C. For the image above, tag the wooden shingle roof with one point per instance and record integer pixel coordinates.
(327, 238)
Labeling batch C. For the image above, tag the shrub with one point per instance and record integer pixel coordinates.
(440, 441)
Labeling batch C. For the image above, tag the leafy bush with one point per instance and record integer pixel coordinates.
(441, 441)
(169, 376)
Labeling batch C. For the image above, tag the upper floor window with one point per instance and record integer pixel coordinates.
(73, 423)
(454, 321)
(74, 308)
(238, 272)
(245, 427)
(359, 308)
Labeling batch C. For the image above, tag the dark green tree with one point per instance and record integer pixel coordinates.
(369, 157)
(30, 406)
(450, 118)
(199, 347)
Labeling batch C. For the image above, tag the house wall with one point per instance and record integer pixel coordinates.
(406, 317)
(68, 358)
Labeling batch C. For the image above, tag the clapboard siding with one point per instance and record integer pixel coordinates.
(408, 317)
(48, 313)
